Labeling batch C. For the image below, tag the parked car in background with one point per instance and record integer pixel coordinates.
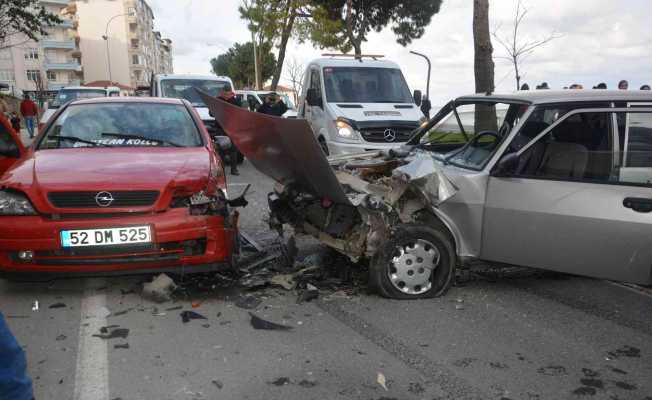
(71, 93)
(356, 105)
(116, 185)
(555, 180)
(252, 99)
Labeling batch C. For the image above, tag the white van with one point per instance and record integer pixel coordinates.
(354, 105)
(71, 93)
(183, 87)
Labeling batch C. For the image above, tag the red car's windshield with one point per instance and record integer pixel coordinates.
(122, 125)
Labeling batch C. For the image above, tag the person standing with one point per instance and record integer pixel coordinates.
(623, 85)
(15, 384)
(29, 111)
(645, 87)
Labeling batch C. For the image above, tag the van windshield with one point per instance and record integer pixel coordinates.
(185, 89)
(365, 85)
(66, 95)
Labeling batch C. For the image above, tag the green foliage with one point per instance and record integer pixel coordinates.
(345, 24)
(238, 64)
(26, 17)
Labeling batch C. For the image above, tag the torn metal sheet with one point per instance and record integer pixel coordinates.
(285, 149)
(425, 173)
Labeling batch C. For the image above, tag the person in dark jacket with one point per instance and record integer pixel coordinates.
(15, 122)
(273, 105)
(230, 98)
(15, 384)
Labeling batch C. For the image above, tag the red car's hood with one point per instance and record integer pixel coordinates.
(104, 169)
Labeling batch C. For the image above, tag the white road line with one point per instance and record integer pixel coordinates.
(92, 371)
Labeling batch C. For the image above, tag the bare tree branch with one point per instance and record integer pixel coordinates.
(517, 50)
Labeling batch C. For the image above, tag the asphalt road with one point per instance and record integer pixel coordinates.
(519, 336)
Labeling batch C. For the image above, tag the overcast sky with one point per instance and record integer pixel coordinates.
(601, 41)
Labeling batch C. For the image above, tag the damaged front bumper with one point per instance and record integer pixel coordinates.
(349, 202)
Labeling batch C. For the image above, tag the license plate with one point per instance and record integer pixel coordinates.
(106, 237)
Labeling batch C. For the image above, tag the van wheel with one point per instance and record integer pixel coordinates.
(416, 262)
(324, 146)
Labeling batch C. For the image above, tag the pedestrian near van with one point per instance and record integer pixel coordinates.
(525, 86)
(273, 105)
(645, 87)
(600, 85)
(623, 85)
(29, 111)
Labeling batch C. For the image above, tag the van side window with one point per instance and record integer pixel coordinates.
(635, 137)
(580, 149)
(315, 82)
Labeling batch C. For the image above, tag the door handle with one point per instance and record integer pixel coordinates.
(638, 204)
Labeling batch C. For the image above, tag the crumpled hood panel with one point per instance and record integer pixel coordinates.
(283, 149)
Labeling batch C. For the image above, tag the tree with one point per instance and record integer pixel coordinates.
(296, 72)
(483, 65)
(24, 17)
(345, 24)
(273, 21)
(237, 64)
(517, 50)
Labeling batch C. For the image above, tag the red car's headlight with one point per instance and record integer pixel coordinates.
(15, 203)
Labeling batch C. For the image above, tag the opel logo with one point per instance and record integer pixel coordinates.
(389, 135)
(104, 199)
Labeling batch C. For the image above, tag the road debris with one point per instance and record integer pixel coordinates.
(113, 333)
(259, 323)
(174, 308)
(61, 337)
(310, 293)
(121, 346)
(186, 316)
(282, 381)
(160, 289)
(57, 305)
(218, 383)
(247, 302)
(382, 381)
(35, 305)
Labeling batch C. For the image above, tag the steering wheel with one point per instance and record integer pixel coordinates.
(477, 137)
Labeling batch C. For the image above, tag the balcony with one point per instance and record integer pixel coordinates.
(57, 65)
(61, 85)
(58, 44)
(58, 2)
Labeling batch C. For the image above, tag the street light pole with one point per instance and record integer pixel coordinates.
(106, 39)
(425, 106)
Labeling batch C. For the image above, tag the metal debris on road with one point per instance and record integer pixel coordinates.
(186, 316)
(310, 293)
(58, 305)
(121, 346)
(382, 381)
(35, 305)
(61, 337)
(160, 289)
(282, 381)
(259, 323)
(113, 333)
(218, 384)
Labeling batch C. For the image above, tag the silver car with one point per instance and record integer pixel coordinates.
(555, 180)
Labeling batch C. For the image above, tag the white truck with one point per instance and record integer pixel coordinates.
(354, 105)
(183, 87)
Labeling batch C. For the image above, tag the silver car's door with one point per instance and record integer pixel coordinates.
(571, 205)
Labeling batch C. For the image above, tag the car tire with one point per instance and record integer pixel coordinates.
(324, 146)
(416, 262)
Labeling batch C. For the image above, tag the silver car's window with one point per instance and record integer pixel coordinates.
(122, 125)
(471, 133)
(635, 140)
(186, 89)
(580, 148)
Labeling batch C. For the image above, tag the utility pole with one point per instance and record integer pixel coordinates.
(106, 39)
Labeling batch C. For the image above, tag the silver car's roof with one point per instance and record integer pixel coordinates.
(562, 96)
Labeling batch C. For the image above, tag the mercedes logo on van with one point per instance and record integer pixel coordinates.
(104, 199)
(389, 135)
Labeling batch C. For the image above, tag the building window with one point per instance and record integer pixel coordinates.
(6, 75)
(33, 75)
(133, 27)
(131, 11)
(135, 60)
(31, 54)
(52, 76)
(134, 43)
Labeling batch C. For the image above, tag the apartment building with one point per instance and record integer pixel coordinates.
(119, 42)
(41, 68)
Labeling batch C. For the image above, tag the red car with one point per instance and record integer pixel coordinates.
(114, 185)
